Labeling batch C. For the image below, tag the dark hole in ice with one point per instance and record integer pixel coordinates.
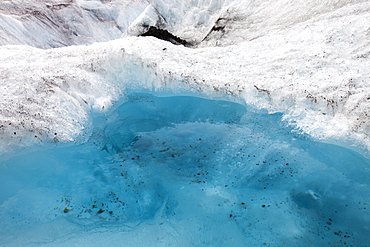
(165, 35)
(183, 170)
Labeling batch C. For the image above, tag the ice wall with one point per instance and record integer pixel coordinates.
(310, 62)
(57, 23)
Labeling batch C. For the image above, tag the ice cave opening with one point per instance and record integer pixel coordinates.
(186, 171)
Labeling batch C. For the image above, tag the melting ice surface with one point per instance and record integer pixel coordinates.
(186, 171)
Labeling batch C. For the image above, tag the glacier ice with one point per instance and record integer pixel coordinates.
(229, 141)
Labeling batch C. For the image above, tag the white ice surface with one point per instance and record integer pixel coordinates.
(308, 60)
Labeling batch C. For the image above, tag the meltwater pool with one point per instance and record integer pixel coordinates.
(186, 171)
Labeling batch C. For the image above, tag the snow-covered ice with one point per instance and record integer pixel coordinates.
(255, 94)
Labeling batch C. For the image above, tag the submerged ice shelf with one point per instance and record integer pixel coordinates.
(186, 171)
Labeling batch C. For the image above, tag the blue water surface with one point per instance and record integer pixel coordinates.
(186, 171)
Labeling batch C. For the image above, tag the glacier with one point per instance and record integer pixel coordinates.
(255, 132)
